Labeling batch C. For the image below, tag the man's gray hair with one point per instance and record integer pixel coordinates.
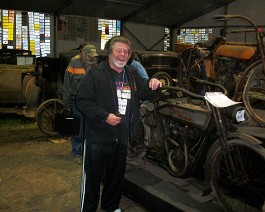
(113, 40)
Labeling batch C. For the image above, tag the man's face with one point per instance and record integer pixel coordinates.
(87, 59)
(120, 54)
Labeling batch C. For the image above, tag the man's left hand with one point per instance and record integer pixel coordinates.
(154, 84)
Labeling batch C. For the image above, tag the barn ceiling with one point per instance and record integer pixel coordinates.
(167, 13)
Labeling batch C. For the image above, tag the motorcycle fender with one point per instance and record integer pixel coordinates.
(244, 136)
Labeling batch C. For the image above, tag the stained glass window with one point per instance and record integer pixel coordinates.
(109, 29)
(25, 31)
(193, 36)
(167, 40)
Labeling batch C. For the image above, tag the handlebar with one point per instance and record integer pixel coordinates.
(203, 82)
(230, 17)
(196, 96)
(259, 34)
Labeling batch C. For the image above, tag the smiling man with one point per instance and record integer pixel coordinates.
(109, 98)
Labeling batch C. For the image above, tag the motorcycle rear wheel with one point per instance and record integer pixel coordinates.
(191, 66)
(254, 95)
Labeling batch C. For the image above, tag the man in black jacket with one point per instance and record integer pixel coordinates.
(109, 97)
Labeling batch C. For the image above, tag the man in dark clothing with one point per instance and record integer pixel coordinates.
(109, 97)
(76, 70)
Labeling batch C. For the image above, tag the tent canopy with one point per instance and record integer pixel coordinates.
(166, 13)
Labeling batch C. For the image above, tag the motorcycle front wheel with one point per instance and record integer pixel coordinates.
(238, 183)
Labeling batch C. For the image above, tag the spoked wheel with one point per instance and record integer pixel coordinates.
(46, 115)
(163, 77)
(240, 187)
(191, 66)
(136, 147)
(254, 95)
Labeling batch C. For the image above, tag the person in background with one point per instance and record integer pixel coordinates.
(76, 70)
(109, 98)
(138, 66)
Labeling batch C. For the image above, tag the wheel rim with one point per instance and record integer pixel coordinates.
(254, 95)
(164, 80)
(244, 191)
(189, 71)
(46, 116)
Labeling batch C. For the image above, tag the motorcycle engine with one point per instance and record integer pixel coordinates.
(179, 131)
(227, 71)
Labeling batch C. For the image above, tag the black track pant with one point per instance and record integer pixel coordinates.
(103, 161)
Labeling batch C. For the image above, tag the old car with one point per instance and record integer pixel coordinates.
(19, 92)
(159, 64)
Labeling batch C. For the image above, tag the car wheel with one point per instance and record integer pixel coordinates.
(163, 77)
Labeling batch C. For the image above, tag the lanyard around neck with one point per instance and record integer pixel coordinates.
(122, 82)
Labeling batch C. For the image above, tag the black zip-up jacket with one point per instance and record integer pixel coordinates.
(97, 97)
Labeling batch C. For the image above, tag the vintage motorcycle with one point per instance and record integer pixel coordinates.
(238, 66)
(184, 135)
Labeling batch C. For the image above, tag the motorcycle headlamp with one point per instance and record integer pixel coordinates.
(236, 113)
(240, 116)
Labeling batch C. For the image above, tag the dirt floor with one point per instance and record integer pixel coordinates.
(37, 172)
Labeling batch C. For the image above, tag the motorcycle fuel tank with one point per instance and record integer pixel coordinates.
(186, 113)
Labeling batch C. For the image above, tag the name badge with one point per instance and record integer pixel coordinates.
(122, 106)
(124, 94)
